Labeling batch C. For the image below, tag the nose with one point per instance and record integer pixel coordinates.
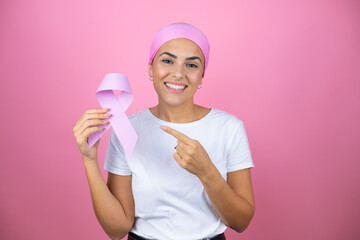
(178, 71)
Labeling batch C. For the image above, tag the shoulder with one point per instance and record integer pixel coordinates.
(137, 120)
(138, 117)
(227, 120)
(142, 121)
(139, 114)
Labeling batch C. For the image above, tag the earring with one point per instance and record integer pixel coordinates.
(151, 79)
(200, 86)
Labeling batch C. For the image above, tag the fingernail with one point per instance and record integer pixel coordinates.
(105, 109)
(107, 115)
(163, 128)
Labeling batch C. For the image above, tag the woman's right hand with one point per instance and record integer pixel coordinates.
(86, 126)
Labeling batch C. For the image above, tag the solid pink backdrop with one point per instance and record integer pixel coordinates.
(288, 69)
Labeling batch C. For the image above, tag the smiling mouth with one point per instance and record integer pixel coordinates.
(177, 87)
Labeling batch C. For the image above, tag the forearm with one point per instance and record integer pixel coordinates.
(234, 210)
(107, 207)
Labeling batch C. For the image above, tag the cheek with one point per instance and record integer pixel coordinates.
(195, 76)
(161, 70)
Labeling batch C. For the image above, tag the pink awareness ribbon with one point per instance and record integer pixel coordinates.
(117, 105)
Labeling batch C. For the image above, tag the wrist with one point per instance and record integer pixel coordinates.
(211, 176)
(89, 160)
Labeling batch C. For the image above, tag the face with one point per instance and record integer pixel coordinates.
(177, 70)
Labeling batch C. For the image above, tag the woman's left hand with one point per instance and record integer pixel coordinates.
(190, 154)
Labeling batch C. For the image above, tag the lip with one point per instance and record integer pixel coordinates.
(173, 90)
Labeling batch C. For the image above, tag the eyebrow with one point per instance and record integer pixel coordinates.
(189, 58)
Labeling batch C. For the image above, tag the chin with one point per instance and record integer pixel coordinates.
(172, 101)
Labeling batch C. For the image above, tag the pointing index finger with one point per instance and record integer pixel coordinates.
(178, 135)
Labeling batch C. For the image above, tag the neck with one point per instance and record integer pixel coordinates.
(177, 114)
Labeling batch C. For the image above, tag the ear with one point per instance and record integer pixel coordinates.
(150, 71)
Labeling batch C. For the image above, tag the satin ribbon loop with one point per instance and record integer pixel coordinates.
(118, 105)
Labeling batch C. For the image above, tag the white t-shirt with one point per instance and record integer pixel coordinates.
(170, 202)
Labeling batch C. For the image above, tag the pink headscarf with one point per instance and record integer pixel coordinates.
(180, 30)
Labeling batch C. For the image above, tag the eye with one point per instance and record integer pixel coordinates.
(192, 65)
(166, 61)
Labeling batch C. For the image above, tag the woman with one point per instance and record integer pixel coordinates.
(189, 174)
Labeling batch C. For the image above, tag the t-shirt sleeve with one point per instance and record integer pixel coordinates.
(239, 155)
(115, 160)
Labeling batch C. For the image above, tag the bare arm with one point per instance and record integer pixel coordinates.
(234, 199)
(113, 203)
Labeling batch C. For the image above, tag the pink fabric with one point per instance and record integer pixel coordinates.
(180, 30)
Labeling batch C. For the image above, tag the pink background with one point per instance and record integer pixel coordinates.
(288, 69)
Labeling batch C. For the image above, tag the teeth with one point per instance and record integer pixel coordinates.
(175, 87)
